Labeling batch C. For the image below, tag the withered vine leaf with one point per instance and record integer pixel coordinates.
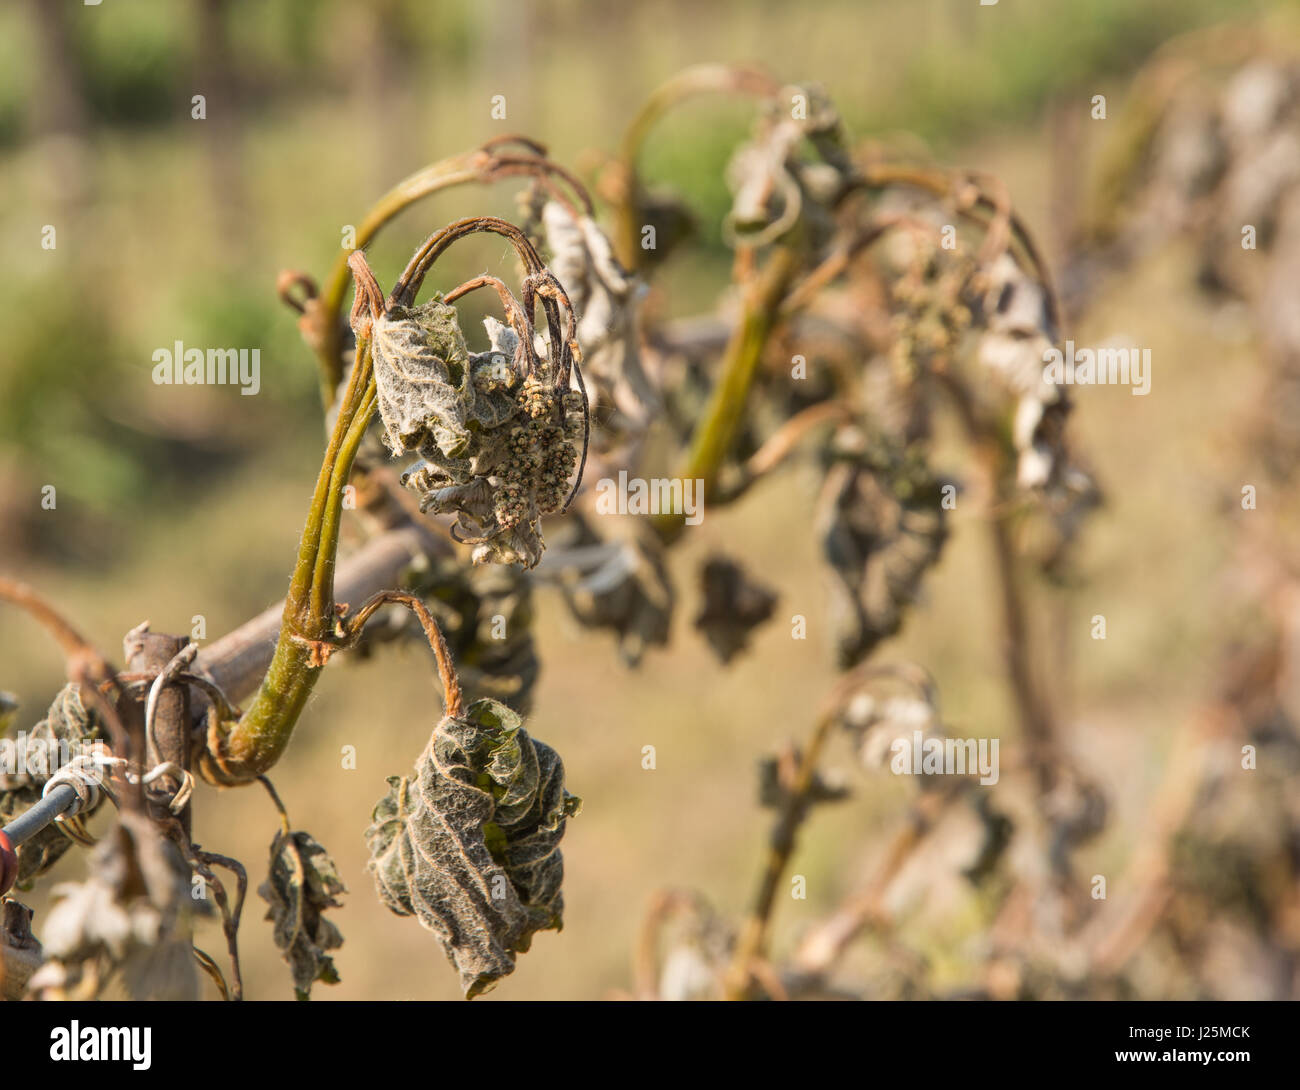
(470, 844)
(883, 527)
(67, 727)
(302, 883)
(606, 297)
(621, 584)
(130, 920)
(734, 605)
(422, 376)
(774, 184)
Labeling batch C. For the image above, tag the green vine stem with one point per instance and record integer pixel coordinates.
(442, 175)
(625, 184)
(716, 431)
(242, 751)
(311, 628)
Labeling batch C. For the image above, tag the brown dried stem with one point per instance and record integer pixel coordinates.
(452, 697)
(86, 666)
(751, 944)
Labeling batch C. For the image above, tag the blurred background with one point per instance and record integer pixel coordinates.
(182, 501)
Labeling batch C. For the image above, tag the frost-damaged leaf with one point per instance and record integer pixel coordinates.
(302, 883)
(621, 583)
(606, 297)
(774, 182)
(498, 439)
(130, 920)
(470, 844)
(68, 728)
(883, 526)
(422, 375)
(734, 605)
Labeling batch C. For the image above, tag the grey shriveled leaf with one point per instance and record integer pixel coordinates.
(621, 584)
(131, 918)
(774, 184)
(734, 605)
(67, 726)
(422, 375)
(469, 845)
(1018, 334)
(497, 437)
(605, 297)
(302, 883)
(882, 526)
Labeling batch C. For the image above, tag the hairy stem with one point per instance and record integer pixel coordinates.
(258, 739)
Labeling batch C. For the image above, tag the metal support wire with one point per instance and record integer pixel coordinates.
(30, 822)
(62, 798)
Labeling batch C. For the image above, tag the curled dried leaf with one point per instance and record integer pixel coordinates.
(35, 755)
(878, 716)
(774, 184)
(734, 605)
(469, 845)
(883, 526)
(622, 585)
(422, 376)
(303, 881)
(1014, 348)
(606, 297)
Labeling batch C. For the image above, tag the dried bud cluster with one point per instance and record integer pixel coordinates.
(931, 314)
(498, 441)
